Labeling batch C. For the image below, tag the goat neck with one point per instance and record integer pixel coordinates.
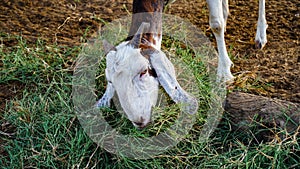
(149, 11)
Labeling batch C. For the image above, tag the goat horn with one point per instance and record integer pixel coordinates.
(136, 40)
(107, 46)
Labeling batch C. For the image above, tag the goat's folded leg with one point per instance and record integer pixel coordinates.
(106, 98)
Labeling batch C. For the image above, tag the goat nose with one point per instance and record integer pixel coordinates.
(141, 123)
(138, 123)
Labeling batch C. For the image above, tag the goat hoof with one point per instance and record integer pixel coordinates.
(259, 45)
(228, 78)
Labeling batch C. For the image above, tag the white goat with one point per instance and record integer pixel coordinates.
(137, 66)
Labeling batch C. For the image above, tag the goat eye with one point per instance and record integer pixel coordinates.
(143, 72)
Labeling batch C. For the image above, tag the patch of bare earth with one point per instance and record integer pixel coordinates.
(8, 91)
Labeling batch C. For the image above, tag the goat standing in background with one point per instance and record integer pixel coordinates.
(136, 67)
(218, 13)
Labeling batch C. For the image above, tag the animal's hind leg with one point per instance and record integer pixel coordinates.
(261, 30)
(218, 12)
(225, 11)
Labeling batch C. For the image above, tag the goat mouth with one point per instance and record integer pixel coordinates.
(140, 126)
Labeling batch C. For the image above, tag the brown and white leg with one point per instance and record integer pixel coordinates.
(261, 30)
(218, 12)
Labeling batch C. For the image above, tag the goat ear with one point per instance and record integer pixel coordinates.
(107, 46)
(167, 78)
(136, 40)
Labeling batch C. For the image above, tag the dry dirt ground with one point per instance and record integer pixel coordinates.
(272, 72)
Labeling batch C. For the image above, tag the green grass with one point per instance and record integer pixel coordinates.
(46, 132)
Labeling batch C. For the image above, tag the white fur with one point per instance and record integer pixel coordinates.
(261, 30)
(127, 73)
(167, 78)
(218, 12)
(137, 94)
(158, 40)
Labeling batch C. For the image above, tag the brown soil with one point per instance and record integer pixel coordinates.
(8, 91)
(272, 72)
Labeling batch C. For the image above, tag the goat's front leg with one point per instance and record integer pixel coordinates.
(261, 30)
(108, 95)
(218, 12)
